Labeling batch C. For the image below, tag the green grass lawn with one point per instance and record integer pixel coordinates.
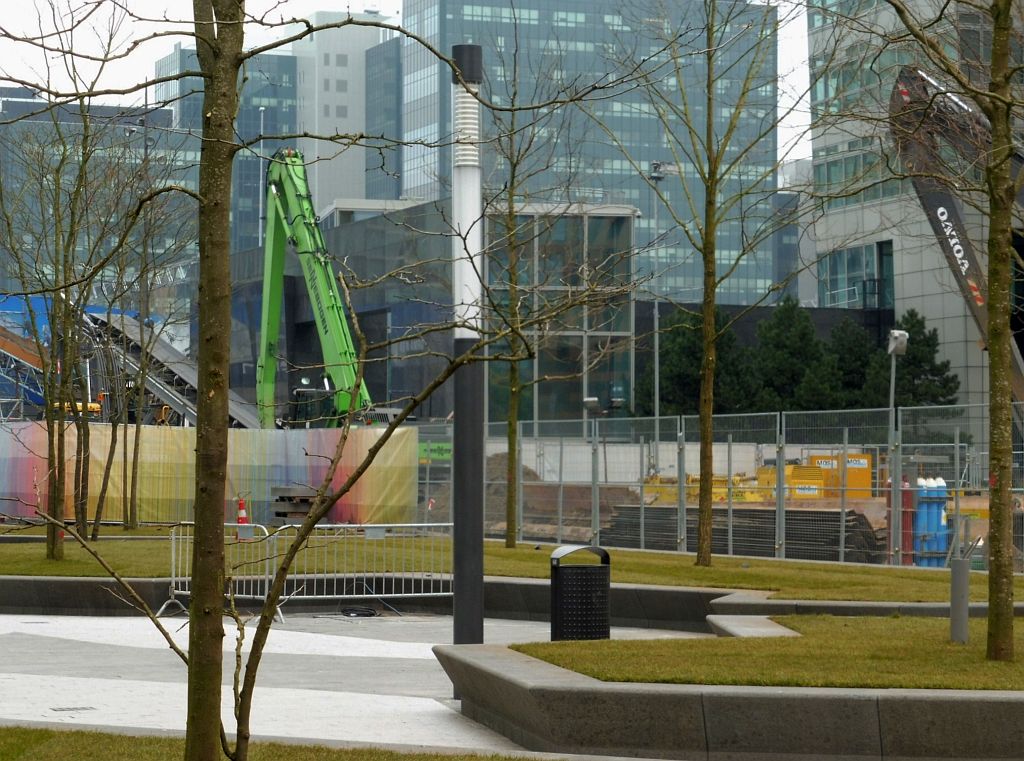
(150, 557)
(29, 744)
(904, 652)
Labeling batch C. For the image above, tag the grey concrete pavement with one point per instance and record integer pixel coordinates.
(326, 679)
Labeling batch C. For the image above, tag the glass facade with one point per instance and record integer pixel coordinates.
(129, 150)
(268, 99)
(384, 117)
(583, 350)
(541, 48)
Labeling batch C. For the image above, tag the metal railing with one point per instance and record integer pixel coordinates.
(336, 562)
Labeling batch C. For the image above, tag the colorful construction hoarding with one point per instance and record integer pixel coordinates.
(257, 462)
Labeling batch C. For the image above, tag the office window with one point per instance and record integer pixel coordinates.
(327, 85)
(341, 112)
(341, 85)
(327, 110)
(327, 59)
(341, 59)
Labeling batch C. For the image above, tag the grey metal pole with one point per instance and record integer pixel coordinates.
(561, 486)
(959, 599)
(519, 482)
(642, 502)
(957, 486)
(468, 438)
(728, 491)
(896, 458)
(657, 371)
(780, 488)
(842, 495)
(595, 494)
(681, 484)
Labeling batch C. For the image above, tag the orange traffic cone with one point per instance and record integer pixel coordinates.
(243, 530)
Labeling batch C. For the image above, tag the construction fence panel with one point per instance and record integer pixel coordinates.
(433, 502)
(837, 493)
(555, 494)
(743, 505)
(945, 466)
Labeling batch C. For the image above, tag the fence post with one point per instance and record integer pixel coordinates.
(842, 495)
(728, 491)
(643, 445)
(561, 487)
(519, 481)
(780, 486)
(896, 476)
(595, 494)
(681, 484)
(957, 486)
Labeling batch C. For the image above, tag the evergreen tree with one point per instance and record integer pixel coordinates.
(681, 353)
(787, 347)
(921, 380)
(853, 348)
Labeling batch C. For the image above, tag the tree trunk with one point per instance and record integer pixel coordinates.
(219, 37)
(709, 258)
(1000, 282)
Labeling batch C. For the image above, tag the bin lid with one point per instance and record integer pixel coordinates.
(568, 549)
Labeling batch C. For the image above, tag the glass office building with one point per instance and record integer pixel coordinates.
(269, 98)
(542, 48)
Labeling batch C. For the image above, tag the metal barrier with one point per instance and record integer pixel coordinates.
(336, 562)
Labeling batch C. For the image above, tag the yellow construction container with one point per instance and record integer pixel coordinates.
(802, 481)
(858, 474)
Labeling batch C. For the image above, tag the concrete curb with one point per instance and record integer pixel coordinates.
(546, 708)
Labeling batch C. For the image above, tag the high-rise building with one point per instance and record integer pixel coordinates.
(111, 155)
(333, 77)
(875, 247)
(268, 106)
(384, 118)
(539, 49)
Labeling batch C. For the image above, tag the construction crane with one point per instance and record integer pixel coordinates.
(292, 221)
(925, 117)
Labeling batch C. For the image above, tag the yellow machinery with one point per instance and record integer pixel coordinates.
(802, 481)
(858, 474)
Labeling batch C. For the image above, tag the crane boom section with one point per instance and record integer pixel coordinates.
(291, 220)
(924, 115)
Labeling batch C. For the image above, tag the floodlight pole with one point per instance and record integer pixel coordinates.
(897, 347)
(468, 434)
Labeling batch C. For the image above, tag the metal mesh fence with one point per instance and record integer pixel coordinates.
(809, 485)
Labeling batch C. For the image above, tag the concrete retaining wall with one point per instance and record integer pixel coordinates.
(546, 708)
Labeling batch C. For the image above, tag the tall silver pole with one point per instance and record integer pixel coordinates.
(468, 437)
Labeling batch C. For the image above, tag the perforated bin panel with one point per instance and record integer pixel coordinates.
(580, 602)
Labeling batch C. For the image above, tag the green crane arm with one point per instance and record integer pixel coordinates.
(291, 218)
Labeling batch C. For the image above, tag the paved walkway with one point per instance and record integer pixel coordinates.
(328, 680)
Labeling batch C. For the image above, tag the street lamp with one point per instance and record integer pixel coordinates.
(656, 175)
(897, 348)
(260, 188)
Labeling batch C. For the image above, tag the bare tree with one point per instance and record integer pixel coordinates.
(950, 72)
(711, 85)
(68, 207)
(217, 28)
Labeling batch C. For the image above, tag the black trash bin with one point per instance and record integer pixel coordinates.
(580, 595)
